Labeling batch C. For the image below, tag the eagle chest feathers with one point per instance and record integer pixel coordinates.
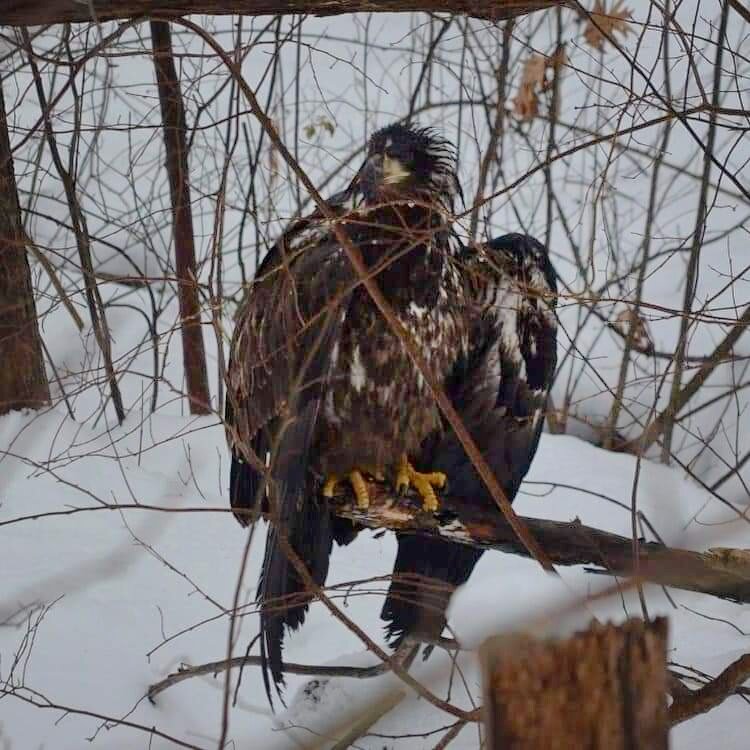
(378, 405)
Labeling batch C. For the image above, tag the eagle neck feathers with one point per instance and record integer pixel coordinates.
(409, 245)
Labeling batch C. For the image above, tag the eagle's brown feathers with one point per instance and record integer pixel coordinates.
(319, 385)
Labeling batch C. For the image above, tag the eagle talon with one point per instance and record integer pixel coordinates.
(360, 490)
(329, 488)
(403, 480)
(356, 480)
(407, 476)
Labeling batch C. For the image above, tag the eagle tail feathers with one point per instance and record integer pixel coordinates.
(283, 594)
(425, 575)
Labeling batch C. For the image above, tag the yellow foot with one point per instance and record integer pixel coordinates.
(329, 488)
(407, 476)
(358, 484)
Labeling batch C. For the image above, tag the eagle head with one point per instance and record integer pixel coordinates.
(407, 162)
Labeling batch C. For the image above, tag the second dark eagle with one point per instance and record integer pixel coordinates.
(321, 392)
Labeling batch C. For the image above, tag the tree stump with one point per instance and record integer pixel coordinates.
(604, 688)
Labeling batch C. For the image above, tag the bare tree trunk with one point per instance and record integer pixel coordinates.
(23, 380)
(603, 689)
(173, 119)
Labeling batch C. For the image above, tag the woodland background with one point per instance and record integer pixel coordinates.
(619, 139)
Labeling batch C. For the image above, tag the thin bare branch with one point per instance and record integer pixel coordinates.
(712, 694)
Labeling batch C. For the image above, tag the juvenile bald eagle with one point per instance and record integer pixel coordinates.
(320, 391)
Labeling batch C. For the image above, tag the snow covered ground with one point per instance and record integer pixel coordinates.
(100, 598)
(99, 604)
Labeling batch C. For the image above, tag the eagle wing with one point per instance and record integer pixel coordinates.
(282, 317)
(502, 387)
(499, 389)
(278, 372)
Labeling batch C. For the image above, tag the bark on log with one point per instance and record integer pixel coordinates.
(173, 120)
(23, 380)
(602, 689)
(724, 573)
(29, 12)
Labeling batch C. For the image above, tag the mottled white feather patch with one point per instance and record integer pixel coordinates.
(507, 309)
(417, 310)
(357, 375)
(454, 530)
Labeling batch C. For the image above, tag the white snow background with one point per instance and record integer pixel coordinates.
(97, 603)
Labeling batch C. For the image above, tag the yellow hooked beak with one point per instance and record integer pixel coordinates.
(394, 171)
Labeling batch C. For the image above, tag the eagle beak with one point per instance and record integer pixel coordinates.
(379, 170)
(394, 171)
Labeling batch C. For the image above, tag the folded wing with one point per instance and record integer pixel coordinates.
(500, 390)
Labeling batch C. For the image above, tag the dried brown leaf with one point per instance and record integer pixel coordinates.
(317, 126)
(534, 80)
(526, 101)
(534, 71)
(603, 23)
